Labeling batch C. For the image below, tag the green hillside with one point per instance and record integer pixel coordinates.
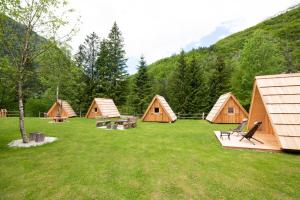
(281, 33)
(285, 26)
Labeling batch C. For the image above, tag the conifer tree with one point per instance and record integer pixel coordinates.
(196, 99)
(219, 80)
(103, 70)
(142, 87)
(86, 58)
(178, 87)
(117, 65)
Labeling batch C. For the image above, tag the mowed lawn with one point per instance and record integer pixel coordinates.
(182, 160)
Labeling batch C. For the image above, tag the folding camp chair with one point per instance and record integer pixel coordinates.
(251, 132)
(240, 127)
(237, 130)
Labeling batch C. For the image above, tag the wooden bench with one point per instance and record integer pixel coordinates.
(102, 121)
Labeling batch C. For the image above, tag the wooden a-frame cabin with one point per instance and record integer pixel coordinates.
(159, 111)
(66, 109)
(103, 107)
(276, 103)
(227, 110)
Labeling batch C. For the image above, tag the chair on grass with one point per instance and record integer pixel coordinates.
(251, 132)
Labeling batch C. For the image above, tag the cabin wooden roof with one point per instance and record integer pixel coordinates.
(166, 107)
(65, 106)
(221, 102)
(281, 97)
(107, 107)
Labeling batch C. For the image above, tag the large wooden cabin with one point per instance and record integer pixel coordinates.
(276, 102)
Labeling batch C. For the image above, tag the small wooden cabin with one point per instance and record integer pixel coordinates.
(103, 107)
(66, 110)
(159, 111)
(276, 102)
(227, 110)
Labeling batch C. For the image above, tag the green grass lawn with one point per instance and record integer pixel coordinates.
(182, 160)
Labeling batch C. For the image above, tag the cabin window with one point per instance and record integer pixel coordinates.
(95, 109)
(230, 110)
(156, 110)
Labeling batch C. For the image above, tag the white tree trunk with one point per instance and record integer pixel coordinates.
(21, 113)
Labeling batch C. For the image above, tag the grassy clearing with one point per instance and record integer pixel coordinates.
(182, 160)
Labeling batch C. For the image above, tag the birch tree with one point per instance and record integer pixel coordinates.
(23, 46)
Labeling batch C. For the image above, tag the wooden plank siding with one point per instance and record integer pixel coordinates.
(276, 102)
(225, 117)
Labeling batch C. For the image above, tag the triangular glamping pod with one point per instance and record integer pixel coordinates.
(227, 110)
(103, 107)
(66, 109)
(159, 111)
(276, 102)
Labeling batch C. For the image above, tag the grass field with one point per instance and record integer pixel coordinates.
(182, 160)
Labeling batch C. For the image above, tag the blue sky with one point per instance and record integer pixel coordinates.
(161, 28)
(219, 33)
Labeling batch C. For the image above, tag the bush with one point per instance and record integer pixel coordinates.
(34, 106)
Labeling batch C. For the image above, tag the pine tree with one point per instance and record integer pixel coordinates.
(142, 87)
(196, 99)
(219, 80)
(178, 87)
(117, 65)
(103, 71)
(86, 58)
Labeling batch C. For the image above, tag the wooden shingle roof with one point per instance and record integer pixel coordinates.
(167, 107)
(67, 108)
(281, 97)
(107, 107)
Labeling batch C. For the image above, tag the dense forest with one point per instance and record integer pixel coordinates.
(190, 81)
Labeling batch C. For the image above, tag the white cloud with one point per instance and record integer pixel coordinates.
(159, 28)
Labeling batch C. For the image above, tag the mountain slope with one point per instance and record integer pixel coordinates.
(285, 26)
(283, 32)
